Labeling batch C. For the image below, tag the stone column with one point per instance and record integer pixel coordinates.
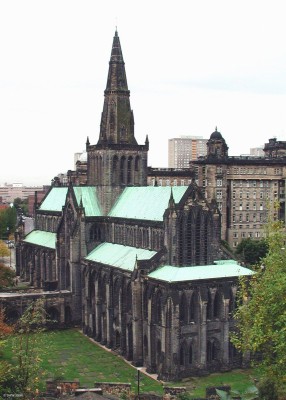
(137, 322)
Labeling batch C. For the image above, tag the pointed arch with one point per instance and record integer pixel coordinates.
(115, 170)
(183, 309)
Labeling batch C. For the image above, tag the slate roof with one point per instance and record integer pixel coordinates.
(119, 256)
(146, 202)
(169, 273)
(41, 238)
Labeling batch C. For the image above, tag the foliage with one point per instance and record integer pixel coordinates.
(8, 219)
(261, 320)
(21, 205)
(252, 251)
(5, 329)
(267, 390)
(4, 251)
(7, 276)
(26, 346)
(251, 393)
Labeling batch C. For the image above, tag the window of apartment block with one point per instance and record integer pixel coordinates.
(257, 234)
(247, 217)
(240, 226)
(247, 206)
(160, 182)
(234, 244)
(243, 234)
(247, 183)
(250, 234)
(153, 181)
(254, 183)
(240, 194)
(219, 194)
(240, 217)
(190, 181)
(233, 218)
(261, 206)
(175, 182)
(254, 206)
(261, 184)
(254, 194)
(235, 234)
(219, 204)
(247, 195)
(261, 195)
(219, 182)
(233, 194)
(240, 183)
(233, 205)
(167, 182)
(254, 217)
(182, 182)
(219, 170)
(240, 206)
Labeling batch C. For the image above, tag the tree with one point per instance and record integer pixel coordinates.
(6, 376)
(26, 345)
(261, 319)
(4, 251)
(252, 251)
(7, 276)
(8, 220)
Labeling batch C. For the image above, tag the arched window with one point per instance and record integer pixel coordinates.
(209, 306)
(115, 171)
(158, 307)
(218, 305)
(198, 239)
(183, 309)
(129, 298)
(194, 308)
(122, 170)
(182, 355)
(129, 170)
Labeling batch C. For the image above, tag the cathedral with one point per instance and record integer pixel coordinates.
(140, 268)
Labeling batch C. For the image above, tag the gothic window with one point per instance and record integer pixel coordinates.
(189, 240)
(122, 170)
(129, 298)
(194, 307)
(158, 308)
(68, 278)
(182, 355)
(198, 239)
(129, 170)
(212, 350)
(209, 306)
(94, 234)
(217, 309)
(183, 309)
(115, 170)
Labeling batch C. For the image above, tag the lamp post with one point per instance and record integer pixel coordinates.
(138, 382)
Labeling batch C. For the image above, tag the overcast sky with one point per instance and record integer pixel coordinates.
(191, 66)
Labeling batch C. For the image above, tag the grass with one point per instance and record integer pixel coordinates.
(70, 355)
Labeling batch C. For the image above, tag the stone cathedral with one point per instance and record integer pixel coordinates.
(139, 267)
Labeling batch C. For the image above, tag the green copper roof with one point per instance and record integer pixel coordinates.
(146, 202)
(55, 199)
(119, 256)
(89, 200)
(41, 238)
(169, 273)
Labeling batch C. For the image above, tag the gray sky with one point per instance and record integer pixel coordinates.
(191, 66)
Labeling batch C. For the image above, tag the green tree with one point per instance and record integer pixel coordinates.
(261, 319)
(251, 251)
(7, 276)
(27, 340)
(8, 220)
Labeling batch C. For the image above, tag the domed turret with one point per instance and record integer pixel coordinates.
(217, 147)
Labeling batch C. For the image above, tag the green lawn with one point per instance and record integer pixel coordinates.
(71, 355)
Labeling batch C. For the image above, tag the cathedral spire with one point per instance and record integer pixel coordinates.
(117, 121)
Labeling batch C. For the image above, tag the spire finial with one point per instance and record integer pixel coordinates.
(216, 128)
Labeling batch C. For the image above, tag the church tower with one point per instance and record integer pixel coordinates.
(116, 161)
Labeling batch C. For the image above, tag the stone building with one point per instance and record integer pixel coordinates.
(139, 267)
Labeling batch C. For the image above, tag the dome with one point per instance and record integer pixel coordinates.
(216, 135)
(83, 157)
